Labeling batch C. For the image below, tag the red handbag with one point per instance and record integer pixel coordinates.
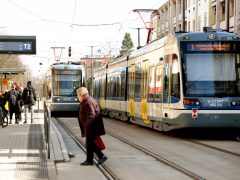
(99, 142)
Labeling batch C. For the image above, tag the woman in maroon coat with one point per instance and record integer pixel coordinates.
(90, 125)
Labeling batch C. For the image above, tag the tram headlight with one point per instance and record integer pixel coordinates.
(192, 102)
(235, 103)
(54, 99)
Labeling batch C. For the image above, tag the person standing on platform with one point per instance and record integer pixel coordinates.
(29, 98)
(19, 109)
(91, 127)
(12, 102)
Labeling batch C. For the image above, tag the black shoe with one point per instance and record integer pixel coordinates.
(86, 163)
(102, 160)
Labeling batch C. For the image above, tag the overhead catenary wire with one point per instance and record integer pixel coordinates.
(120, 26)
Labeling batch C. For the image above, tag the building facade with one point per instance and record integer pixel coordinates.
(193, 15)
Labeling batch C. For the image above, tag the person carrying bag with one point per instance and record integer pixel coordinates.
(91, 125)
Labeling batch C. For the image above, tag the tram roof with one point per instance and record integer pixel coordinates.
(12, 71)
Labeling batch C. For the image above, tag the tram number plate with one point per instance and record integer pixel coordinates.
(215, 102)
(67, 98)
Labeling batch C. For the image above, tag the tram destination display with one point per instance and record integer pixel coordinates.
(17, 44)
(212, 46)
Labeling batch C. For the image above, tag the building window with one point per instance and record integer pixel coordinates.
(231, 8)
(194, 25)
(205, 19)
(222, 5)
(199, 23)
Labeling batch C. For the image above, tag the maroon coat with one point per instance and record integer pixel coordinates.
(90, 119)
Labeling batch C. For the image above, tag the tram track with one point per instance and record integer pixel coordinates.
(169, 159)
(213, 147)
(103, 168)
(204, 142)
(157, 157)
(110, 175)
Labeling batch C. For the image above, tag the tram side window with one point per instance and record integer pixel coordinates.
(109, 95)
(102, 92)
(151, 84)
(158, 88)
(144, 85)
(131, 74)
(138, 76)
(175, 81)
(117, 86)
(113, 88)
(95, 88)
(99, 87)
(166, 80)
(123, 84)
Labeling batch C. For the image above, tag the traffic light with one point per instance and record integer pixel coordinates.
(69, 51)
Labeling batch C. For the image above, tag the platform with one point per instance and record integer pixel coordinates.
(23, 154)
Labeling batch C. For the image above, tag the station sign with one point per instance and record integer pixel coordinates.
(17, 44)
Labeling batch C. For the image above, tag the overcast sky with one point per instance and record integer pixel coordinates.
(76, 23)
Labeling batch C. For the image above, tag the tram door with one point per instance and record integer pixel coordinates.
(144, 92)
(131, 89)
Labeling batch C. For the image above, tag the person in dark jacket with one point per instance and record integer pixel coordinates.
(12, 102)
(29, 98)
(90, 125)
(19, 108)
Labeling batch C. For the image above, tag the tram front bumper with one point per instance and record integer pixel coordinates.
(205, 119)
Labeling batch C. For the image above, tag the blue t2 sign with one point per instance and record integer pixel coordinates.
(17, 44)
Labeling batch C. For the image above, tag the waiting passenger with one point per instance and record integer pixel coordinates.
(19, 108)
(19, 102)
(29, 99)
(3, 102)
(12, 102)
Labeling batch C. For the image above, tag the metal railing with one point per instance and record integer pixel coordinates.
(47, 119)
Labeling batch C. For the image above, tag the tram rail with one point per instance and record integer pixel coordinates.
(103, 168)
(157, 157)
(215, 148)
(111, 175)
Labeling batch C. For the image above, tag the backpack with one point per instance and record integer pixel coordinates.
(13, 97)
(29, 97)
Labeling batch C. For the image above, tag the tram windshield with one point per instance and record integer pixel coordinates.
(211, 73)
(65, 82)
